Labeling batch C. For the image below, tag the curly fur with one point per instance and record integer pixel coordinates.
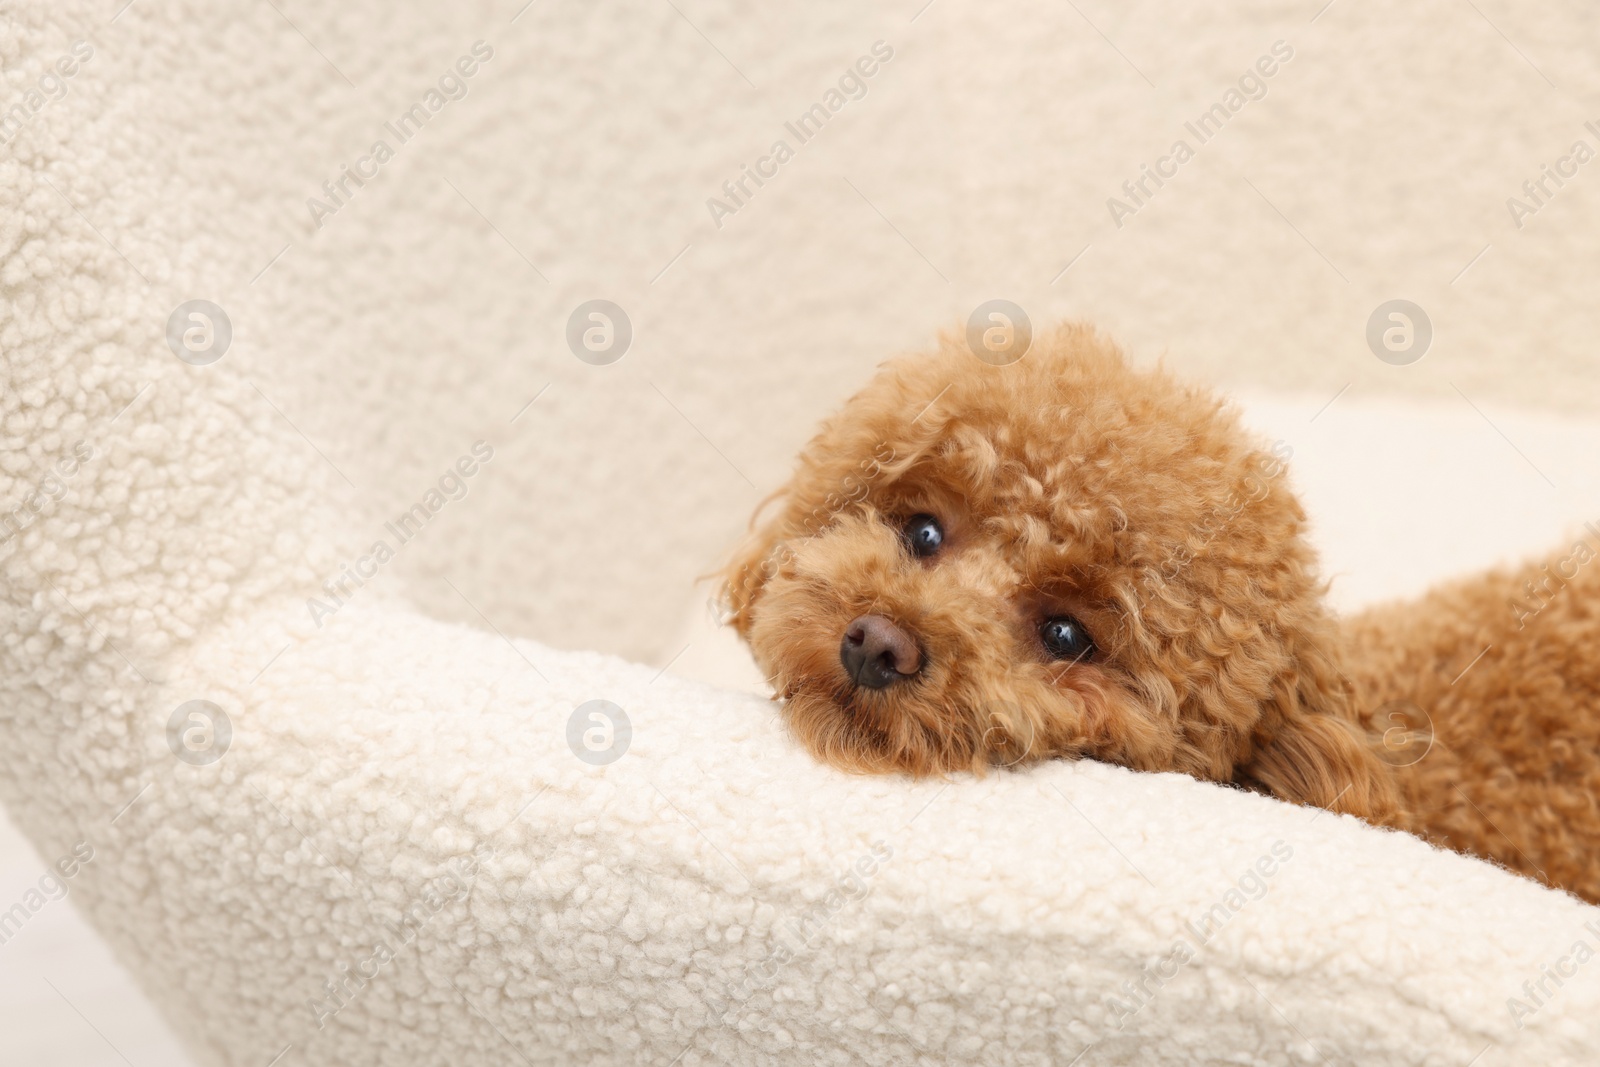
(1070, 483)
(1511, 693)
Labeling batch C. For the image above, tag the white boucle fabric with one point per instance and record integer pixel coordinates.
(400, 858)
(402, 786)
(433, 305)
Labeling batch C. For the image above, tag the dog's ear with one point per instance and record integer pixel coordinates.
(754, 562)
(1308, 748)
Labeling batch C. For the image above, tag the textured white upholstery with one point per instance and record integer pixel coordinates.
(398, 778)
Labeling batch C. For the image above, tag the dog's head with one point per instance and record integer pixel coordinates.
(1065, 556)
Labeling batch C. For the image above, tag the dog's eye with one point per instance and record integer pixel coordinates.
(1065, 638)
(924, 535)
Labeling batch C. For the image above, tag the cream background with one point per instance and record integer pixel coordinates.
(413, 322)
(991, 142)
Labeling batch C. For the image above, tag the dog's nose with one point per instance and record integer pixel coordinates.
(875, 652)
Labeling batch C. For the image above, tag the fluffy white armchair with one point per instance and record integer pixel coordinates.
(381, 838)
(328, 827)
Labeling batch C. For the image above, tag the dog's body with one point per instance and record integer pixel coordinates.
(979, 565)
(1507, 668)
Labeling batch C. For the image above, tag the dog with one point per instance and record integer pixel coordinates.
(979, 566)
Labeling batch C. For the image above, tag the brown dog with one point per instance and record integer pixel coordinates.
(1065, 557)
